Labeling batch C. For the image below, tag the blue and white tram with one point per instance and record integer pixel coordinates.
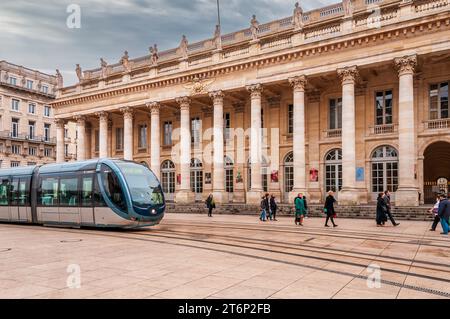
(98, 193)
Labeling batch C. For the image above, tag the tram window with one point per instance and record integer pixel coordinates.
(112, 187)
(86, 191)
(14, 188)
(49, 191)
(4, 190)
(68, 191)
(98, 197)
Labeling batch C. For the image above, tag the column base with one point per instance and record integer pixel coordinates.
(185, 197)
(407, 197)
(349, 197)
(220, 197)
(254, 197)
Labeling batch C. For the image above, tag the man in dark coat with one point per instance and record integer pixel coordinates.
(329, 209)
(273, 207)
(444, 213)
(387, 200)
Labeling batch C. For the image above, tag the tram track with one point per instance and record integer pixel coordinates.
(220, 243)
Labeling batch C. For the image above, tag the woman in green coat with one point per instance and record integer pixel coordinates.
(300, 209)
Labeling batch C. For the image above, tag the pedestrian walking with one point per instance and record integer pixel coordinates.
(210, 204)
(387, 200)
(444, 213)
(329, 209)
(273, 207)
(381, 210)
(300, 210)
(265, 207)
(435, 211)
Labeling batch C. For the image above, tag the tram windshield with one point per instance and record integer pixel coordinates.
(144, 187)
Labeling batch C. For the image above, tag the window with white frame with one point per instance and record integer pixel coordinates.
(383, 107)
(384, 169)
(119, 139)
(66, 150)
(168, 177)
(229, 174)
(15, 164)
(45, 89)
(31, 130)
(227, 126)
(142, 143)
(290, 119)
(31, 163)
(48, 152)
(15, 105)
(195, 130)
(333, 171)
(15, 127)
(29, 84)
(439, 101)
(15, 149)
(12, 80)
(168, 133)
(47, 132)
(47, 111)
(32, 151)
(31, 108)
(335, 114)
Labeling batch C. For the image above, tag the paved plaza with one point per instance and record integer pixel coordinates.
(193, 256)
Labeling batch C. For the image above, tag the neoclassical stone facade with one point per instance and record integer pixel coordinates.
(352, 98)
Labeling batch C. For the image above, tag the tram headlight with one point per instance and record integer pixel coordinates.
(153, 211)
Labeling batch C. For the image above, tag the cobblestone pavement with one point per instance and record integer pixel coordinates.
(193, 256)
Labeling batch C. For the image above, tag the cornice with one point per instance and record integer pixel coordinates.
(284, 55)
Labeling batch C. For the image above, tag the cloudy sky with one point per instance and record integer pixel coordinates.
(35, 34)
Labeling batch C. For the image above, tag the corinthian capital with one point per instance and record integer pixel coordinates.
(127, 112)
(255, 90)
(154, 107)
(103, 116)
(59, 123)
(217, 96)
(298, 82)
(406, 64)
(348, 75)
(184, 102)
(81, 120)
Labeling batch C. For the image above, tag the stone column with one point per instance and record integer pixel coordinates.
(81, 132)
(254, 195)
(218, 176)
(349, 194)
(60, 157)
(127, 133)
(407, 193)
(299, 140)
(103, 134)
(155, 144)
(184, 194)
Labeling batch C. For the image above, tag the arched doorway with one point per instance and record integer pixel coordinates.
(436, 170)
(288, 175)
(168, 179)
(384, 171)
(197, 178)
(333, 171)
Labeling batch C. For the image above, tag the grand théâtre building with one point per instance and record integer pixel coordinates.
(352, 98)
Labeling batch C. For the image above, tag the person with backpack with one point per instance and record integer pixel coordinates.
(210, 204)
(300, 210)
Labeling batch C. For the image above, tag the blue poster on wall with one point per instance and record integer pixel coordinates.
(360, 174)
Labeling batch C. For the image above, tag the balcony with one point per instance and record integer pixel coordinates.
(383, 129)
(25, 137)
(336, 133)
(437, 124)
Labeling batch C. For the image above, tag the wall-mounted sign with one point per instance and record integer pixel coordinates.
(207, 178)
(239, 178)
(360, 174)
(274, 177)
(314, 175)
(179, 179)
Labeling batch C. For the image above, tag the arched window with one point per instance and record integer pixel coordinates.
(264, 174)
(196, 177)
(333, 170)
(168, 179)
(288, 174)
(229, 174)
(384, 169)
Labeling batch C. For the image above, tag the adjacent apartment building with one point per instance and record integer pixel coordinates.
(27, 128)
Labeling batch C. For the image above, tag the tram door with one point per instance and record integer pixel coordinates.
(69, 210)
(14, 206)
(87, 199)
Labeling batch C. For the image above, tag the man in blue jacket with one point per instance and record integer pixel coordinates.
(444, 213)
